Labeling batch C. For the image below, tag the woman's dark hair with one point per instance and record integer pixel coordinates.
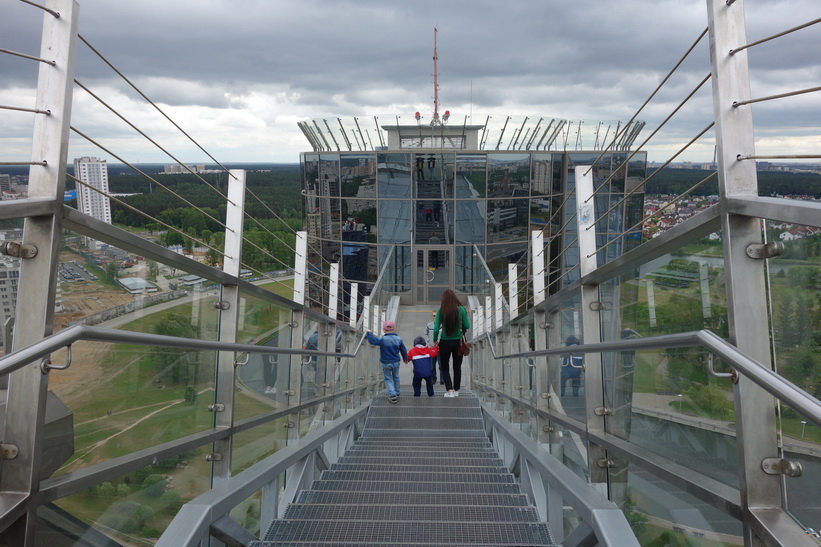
(449, 312)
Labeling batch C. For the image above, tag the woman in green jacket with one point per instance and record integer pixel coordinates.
(452, 320)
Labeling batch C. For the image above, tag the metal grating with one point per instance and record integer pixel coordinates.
(422, 433)
(415, 476)
(443, 466)
(434, 513)
(420, 458)
(328, 497)
(423, 473)
(384, 486)
(437, 533)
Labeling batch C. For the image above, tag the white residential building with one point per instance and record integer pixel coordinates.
(93, 202)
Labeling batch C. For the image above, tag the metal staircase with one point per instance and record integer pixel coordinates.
(422, 473)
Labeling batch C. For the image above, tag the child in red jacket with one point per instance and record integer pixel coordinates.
(422, 358)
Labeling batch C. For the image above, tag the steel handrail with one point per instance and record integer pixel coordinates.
(20, 358)
(777, 386)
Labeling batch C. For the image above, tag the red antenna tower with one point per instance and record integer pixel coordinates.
(435, 81)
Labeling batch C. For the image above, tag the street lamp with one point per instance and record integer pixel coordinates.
(803, 425)
(679, 401)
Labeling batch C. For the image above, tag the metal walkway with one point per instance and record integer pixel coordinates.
(422, 473)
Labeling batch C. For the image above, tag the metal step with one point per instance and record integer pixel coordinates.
(420, 513)
(431, 533)
(420, 458)
(415, 476)
(423, 473)
(410, 498)
(442, 466)
(385, 486)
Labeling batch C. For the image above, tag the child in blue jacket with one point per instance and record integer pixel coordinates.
(391, 349)
(423, 367)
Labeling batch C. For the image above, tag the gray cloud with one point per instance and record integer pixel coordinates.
(279, 60)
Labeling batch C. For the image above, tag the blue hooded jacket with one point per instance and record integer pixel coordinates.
(390, 347)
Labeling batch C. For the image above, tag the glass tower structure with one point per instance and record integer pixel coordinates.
(436, 194)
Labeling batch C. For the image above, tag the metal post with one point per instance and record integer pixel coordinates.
(26, 395)
(333, 291)
(746, 277)
(228, 321)
(590, 306)
(366, 313)
(500, 303)
(297, 333)
(354, 303)
(512, 275)
(537, 252)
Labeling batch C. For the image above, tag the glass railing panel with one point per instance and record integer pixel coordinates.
(255, 444)
(794, 279)
(142, 396)
(564, 372)
(801, 443)
(677, 292)
(661, 513)
(248, 513)
(135, 509)
(265, 377)
(669, 403)
(104, 286)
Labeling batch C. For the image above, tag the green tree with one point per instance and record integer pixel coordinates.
(154, 485)
(153, 270)
(636, 519)
(711, 399)
(173, 363)
(112, 269)
(123, 490)
(106, 490)
(170, 499)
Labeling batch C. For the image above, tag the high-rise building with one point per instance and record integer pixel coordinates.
(93, 202)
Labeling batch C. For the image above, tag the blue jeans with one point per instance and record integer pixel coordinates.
(391, 371)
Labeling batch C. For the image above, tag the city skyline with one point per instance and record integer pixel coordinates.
(241, 87)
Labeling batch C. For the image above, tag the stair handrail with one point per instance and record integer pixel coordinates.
(771, 382)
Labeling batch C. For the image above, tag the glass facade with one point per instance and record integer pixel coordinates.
(360, 203)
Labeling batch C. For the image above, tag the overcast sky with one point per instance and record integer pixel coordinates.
(238, 75)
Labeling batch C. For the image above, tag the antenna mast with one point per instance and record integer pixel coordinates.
(435, 119)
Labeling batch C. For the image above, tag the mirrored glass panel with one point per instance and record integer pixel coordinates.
(395, 173)
(358, 176)
(507, 220)
(471, 176)
(508, 175)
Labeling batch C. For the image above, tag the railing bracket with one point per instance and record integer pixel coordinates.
(765, 250)
(606, 463)
(222, 305)
(288, 425)
(602, 411)
(290, 392)
(547, 429)
(779, 466)
(545, 325)
(292, 324)
(18, 250)
(213, 457)
(9, 451)
(46, 366)
(596, 306)
(545, 395)
(216, 407)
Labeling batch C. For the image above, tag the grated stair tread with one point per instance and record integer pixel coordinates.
(416, 476)
(345, 497)
(420, 513)
(423, 472)
(420, 459)
(434, 533)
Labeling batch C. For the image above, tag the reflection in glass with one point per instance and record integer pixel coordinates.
(507, 220)
(395, 175)
(508, 175)
(470, 221)
(394, 221)
(358, 176)
(471, 175)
